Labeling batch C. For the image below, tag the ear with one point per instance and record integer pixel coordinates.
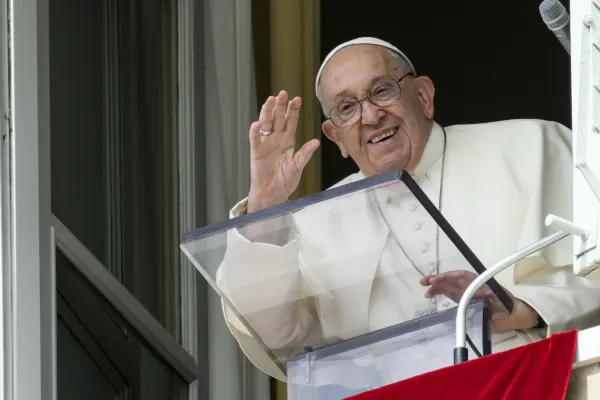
(330, 131)
(426, 93)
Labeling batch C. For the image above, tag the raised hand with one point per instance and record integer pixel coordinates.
(275, 165)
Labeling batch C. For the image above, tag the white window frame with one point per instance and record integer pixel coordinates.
(30, 234)
(28, 314)
(5, 277)
(187, 54)
(132, 311)
(585, 103)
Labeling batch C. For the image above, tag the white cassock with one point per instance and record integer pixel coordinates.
(336, 271)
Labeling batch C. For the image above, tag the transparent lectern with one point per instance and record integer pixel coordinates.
(325, 292)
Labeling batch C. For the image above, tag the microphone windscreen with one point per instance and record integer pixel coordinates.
(554, 14)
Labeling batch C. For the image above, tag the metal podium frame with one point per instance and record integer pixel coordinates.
(446, 316)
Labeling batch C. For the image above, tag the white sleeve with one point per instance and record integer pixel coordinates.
(546, 281)
(261, 277)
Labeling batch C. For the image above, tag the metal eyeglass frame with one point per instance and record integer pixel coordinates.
(368, 96)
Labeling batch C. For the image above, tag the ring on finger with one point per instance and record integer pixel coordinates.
(265, 132)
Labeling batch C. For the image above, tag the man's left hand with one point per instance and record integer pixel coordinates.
(454, 283)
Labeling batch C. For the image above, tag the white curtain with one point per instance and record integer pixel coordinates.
(230, 108)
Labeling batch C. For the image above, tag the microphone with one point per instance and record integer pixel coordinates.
(556, 17)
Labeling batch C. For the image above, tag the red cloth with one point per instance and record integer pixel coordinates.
(540, 370)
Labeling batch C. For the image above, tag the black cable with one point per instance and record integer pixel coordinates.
(473, 347)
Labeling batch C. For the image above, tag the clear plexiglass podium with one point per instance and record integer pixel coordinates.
(384, 357)
(324, 291)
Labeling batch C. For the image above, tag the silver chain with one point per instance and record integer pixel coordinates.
(440, 202)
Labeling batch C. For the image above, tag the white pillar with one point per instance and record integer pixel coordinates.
(27, 279)
(585, 70)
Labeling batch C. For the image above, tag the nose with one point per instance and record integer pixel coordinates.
(371, 114)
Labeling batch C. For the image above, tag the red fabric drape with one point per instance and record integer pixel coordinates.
(540, 370)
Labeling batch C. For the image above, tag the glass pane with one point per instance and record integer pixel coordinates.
(282, 276)
(114, 177)
(99, 356)
(86, 380)
(79, 155)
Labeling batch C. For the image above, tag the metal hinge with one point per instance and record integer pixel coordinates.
(8, 131)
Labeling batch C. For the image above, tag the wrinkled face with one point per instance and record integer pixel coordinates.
(405, 124)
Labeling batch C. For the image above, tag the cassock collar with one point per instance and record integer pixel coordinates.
(433, 151)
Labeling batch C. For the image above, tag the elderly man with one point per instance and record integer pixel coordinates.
(494, 183)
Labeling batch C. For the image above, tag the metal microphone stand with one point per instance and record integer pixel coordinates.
(565, 227)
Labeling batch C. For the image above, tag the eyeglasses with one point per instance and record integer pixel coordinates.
(382, 94)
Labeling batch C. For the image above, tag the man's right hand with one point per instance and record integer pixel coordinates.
(275, 165)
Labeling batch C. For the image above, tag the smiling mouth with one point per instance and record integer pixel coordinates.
(384, 136)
